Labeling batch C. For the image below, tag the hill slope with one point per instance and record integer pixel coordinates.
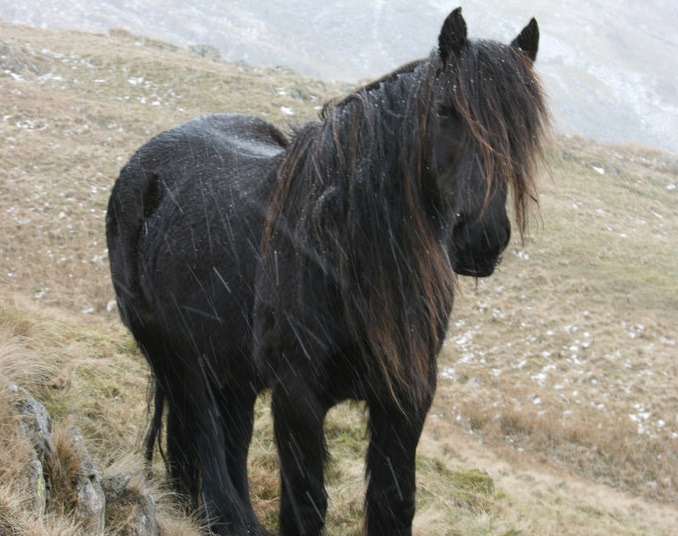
(609, 64)
(559, 374)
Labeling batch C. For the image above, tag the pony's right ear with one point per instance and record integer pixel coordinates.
(452, 37)
(528, 40)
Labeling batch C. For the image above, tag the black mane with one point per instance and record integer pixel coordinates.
(359, 178)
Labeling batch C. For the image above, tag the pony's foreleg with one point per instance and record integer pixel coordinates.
(298, 422)
(390, 497)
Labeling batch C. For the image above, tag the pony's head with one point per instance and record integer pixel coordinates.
(488, 123)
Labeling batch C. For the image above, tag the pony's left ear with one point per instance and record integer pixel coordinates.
(452, 37)
(528, 40)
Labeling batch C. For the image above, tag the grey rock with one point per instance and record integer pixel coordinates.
(138, 503)
(36, 424)
(91, 500)
(92, 491)
(115, 485)
(35, 421)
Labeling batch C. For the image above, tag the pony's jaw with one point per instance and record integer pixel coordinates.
(476, 270)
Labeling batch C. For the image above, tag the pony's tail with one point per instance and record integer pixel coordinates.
(154, 432)
(134, 197)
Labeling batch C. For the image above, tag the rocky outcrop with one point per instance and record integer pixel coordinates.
(36, 425)
(93, 499)
(90, 503)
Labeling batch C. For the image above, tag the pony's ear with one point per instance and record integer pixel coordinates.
(528, 40)
(452, 37)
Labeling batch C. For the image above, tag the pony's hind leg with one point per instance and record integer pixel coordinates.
(237, 410)
(197, 463)
(182, 463)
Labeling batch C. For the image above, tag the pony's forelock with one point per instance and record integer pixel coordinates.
(496, 91)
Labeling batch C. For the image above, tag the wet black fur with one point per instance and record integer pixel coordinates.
(319, 267)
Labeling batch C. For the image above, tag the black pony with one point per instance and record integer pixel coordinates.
(322, 268)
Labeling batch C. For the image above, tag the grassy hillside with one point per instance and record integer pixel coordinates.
(557, 410)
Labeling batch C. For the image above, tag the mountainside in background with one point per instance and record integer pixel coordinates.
(609, 65)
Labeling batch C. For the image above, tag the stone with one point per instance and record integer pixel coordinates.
(91, 500)
(36, 424)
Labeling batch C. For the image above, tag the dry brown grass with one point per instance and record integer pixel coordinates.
(569, 352)
(557, 410)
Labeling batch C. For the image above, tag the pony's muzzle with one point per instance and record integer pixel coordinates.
(478, 246)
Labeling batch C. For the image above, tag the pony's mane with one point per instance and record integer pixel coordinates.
(371, 85)
(348, 197)
(352, 196)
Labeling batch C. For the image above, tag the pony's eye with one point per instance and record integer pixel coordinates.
(447, 112)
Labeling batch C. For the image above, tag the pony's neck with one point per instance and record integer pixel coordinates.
(386, 95)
